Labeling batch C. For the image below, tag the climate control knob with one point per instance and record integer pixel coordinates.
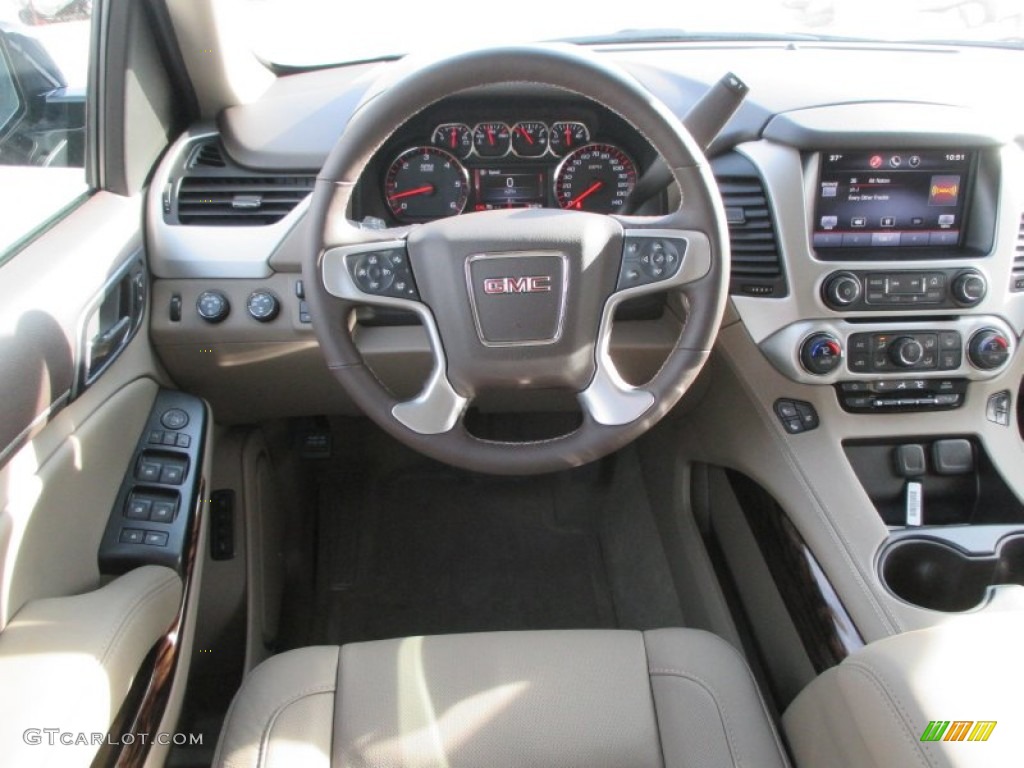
(821, 354)
(969, 288)
(842, 289)
(988, 349)
(906, 351)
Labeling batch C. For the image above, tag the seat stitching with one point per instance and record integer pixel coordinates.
(654, 701)
(894, 704)
(714, 697)
(265, 737)
(764, 707)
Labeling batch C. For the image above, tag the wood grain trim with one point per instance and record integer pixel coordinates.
(143, 709)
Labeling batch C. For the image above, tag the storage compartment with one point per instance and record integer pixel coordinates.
(974, 494)
(939, 574)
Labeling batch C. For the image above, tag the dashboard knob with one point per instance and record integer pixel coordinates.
(906, 351)
(821, 354)
(263, 306)
(988, 349)
(969, 288)
(213, 306)
(842, 289)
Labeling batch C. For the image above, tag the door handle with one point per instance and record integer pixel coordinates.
(109, 340)
(112, 321)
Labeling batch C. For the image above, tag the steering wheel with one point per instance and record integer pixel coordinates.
(519, 298)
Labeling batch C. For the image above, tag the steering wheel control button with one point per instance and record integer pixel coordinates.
(842, 290)
(383, 273)
(213, 306)
(174, 418)
(647, 260)
(517, 298)
(821, 354)
(796, 416)
(263, 306)
(989, 349)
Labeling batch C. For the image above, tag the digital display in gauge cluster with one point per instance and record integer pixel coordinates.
(495, 164)
(892, 199)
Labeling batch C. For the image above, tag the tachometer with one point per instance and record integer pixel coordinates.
(426, 183)
(597, 178)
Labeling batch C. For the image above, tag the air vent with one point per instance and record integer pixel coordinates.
(239, 200)
(1017, 284)
(756, 265)
(208, 155)
(215, 191)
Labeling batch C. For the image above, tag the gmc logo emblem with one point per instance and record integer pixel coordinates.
(527, 284)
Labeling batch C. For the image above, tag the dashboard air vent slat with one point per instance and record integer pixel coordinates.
(1017, 281)
(214, 191)
(208, 155)
(756, 263)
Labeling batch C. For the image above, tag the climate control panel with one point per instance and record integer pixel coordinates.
(968, 347)
(899, 290)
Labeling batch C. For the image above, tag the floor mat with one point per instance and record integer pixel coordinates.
(423, 552)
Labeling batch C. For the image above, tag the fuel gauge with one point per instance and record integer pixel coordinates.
(566, 136)
(457, 138)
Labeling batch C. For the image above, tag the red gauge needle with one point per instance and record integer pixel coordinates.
(426, 189)
(453, 138)
(490, 136)
(585, 194)
(568, 137)
(524, 134)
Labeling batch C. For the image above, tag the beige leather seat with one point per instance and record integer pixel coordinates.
(619, 699)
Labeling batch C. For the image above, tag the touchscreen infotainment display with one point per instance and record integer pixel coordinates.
(891, 199)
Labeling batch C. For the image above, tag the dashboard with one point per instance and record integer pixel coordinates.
(875, 221)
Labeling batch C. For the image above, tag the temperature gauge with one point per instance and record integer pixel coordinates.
(567, 136)
(492, 139)
(457, 138)
(529, 138)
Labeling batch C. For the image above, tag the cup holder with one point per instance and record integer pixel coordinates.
(934, 574)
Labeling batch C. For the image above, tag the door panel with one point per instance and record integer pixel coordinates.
(81, 384)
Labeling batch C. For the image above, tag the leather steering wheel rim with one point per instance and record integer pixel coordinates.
(699, 223)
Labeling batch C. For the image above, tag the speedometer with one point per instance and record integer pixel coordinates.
(426, 183)
(597, 178)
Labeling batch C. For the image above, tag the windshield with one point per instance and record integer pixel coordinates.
(315, 32)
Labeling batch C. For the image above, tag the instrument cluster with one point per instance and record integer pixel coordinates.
(496, 164)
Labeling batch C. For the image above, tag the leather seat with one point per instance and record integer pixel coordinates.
(621, 699)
